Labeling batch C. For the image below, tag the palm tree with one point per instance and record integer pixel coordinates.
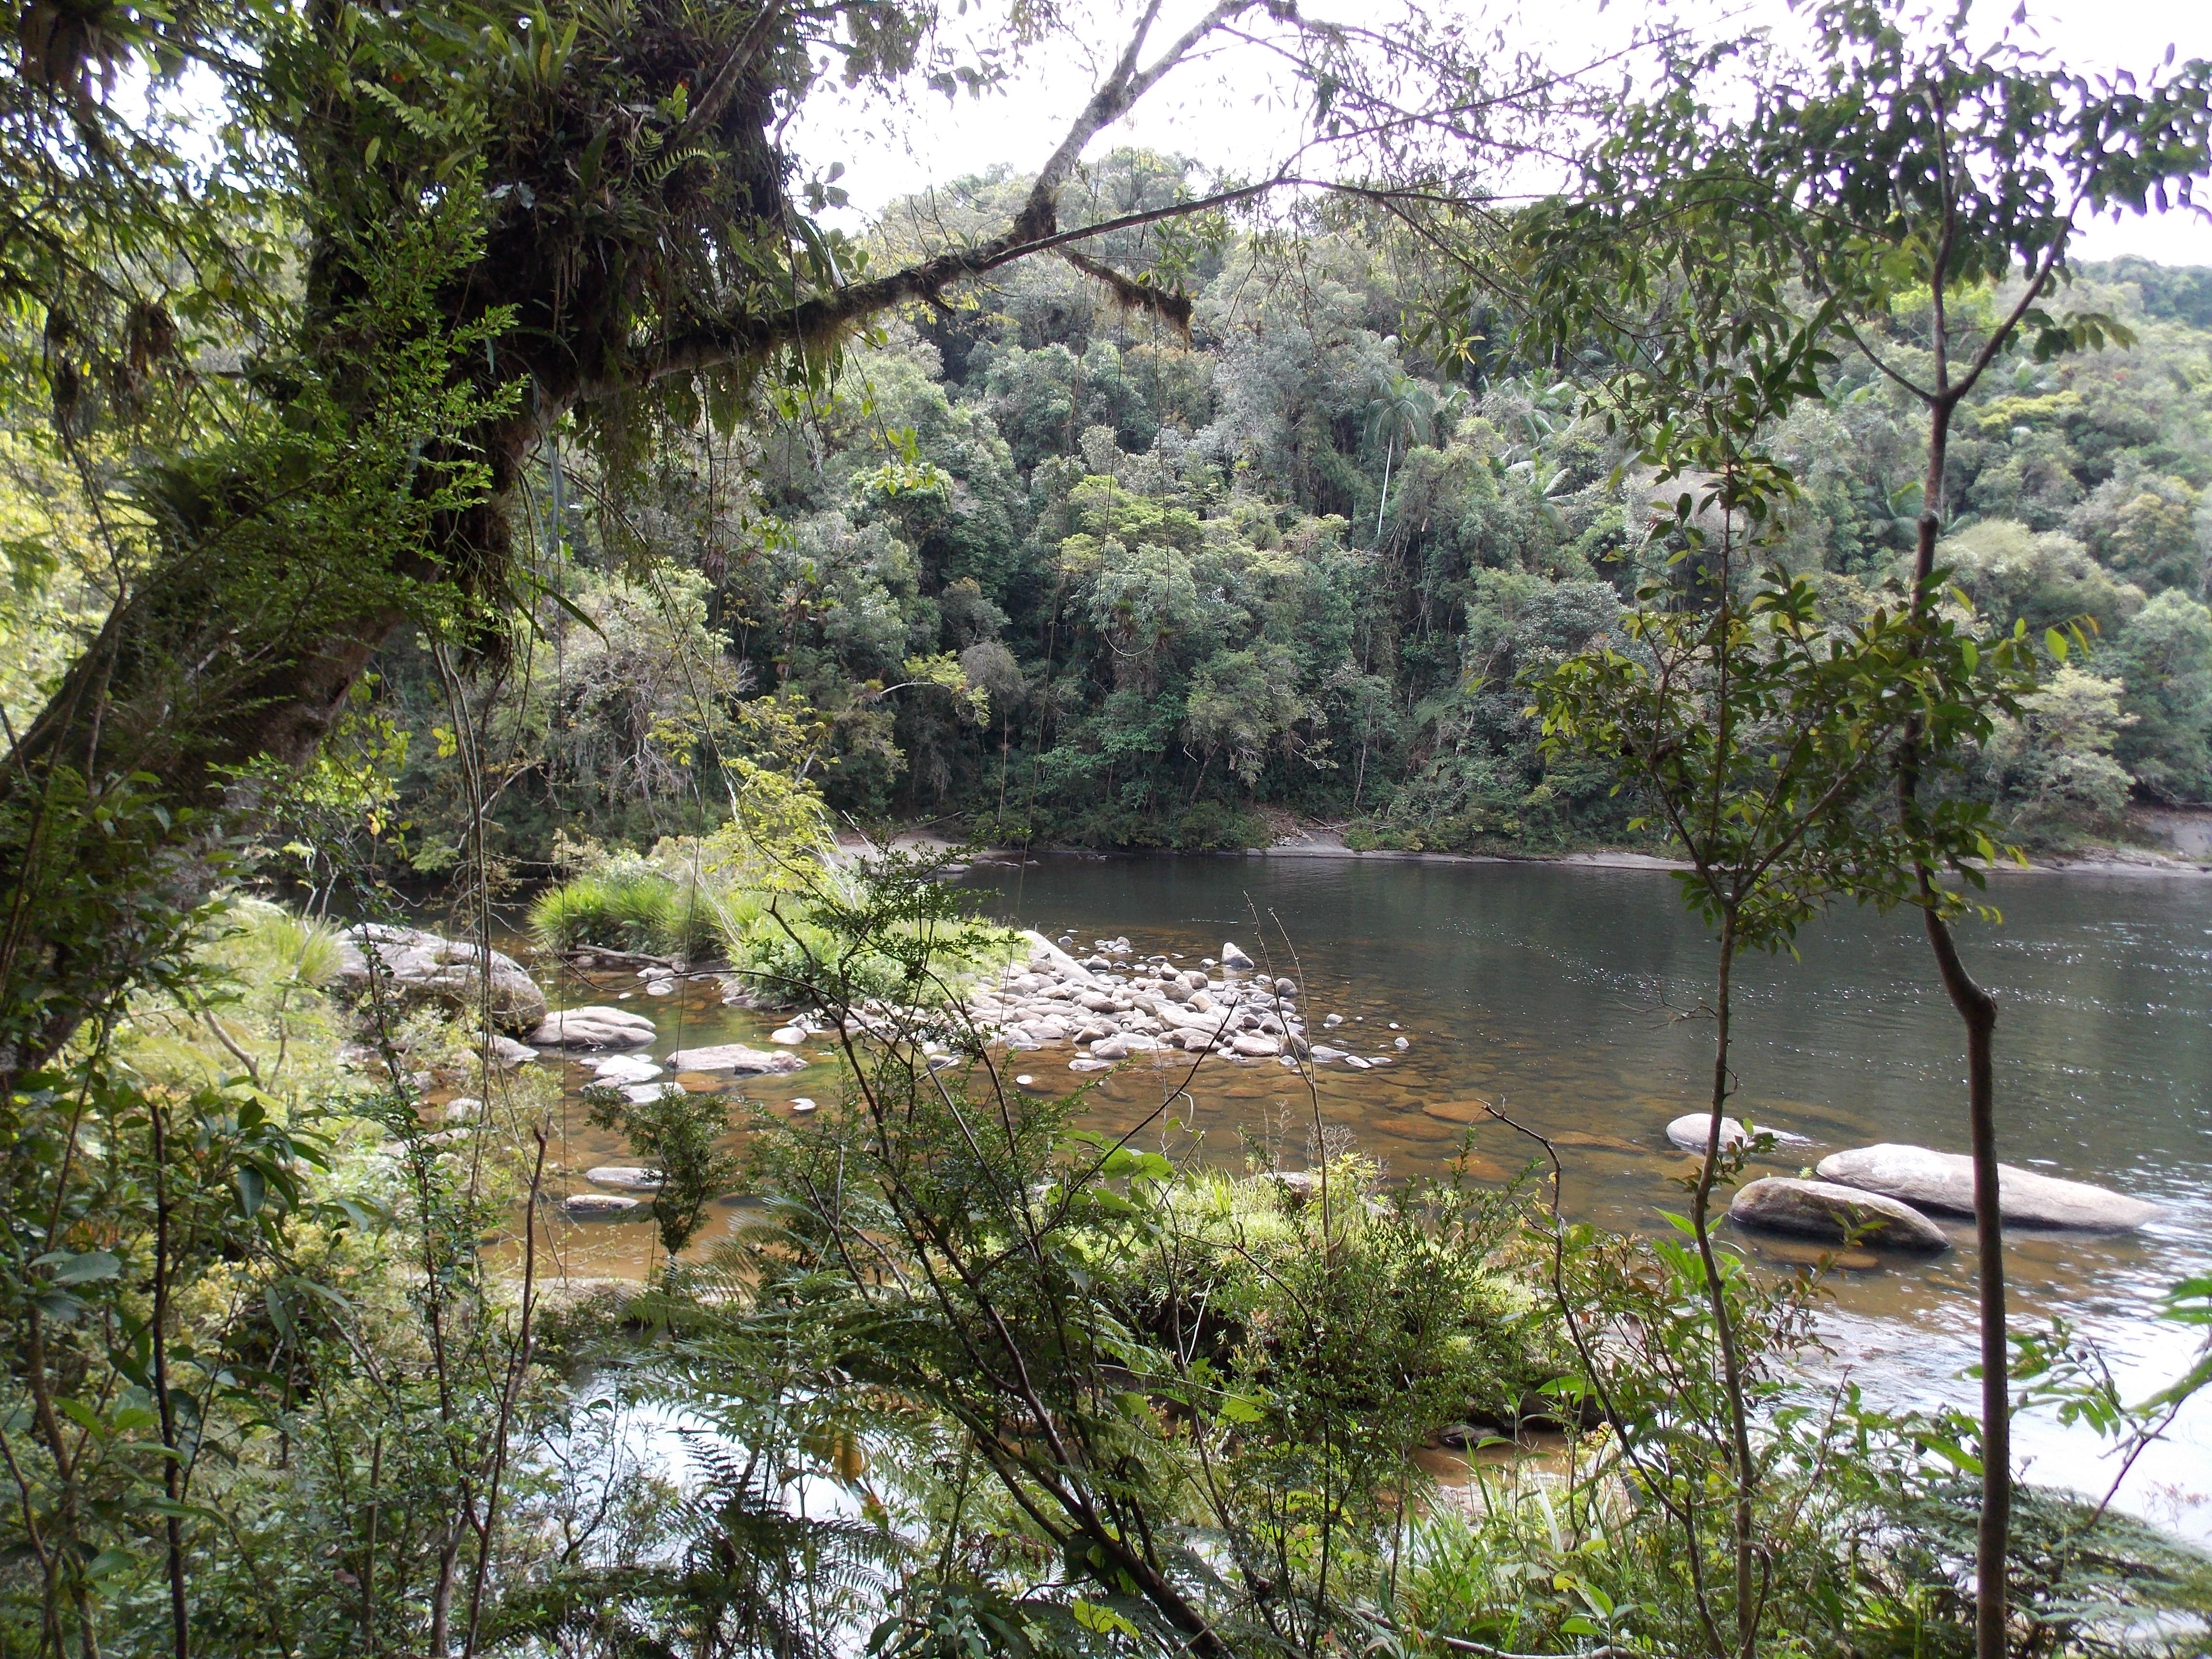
(1402, 410)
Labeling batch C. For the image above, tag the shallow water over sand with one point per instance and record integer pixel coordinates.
(1569, 997)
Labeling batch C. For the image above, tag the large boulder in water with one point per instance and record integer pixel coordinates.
(594, 1028)
(734, 1057)
(628, 1177)
(1821, 1209)
(1690, 1131)
(420, 966)
(1945, 1181)
(599, 1206)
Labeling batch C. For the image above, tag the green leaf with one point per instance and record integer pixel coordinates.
(68, 1269)
(1103, 1620)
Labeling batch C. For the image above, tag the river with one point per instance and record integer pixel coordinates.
(1571, 995)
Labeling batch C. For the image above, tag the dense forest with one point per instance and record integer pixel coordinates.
(1048, 571)
(482, 530)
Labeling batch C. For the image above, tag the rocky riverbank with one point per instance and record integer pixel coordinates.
(1118, 1002)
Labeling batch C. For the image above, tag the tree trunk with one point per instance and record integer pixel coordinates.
(116, 805)
(1741, 1536)
(1390, 453)
(1978, 1010)
(173, 1524)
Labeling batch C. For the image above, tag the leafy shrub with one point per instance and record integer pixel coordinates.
(636, 910)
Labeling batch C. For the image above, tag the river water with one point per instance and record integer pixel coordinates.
(1571, 996)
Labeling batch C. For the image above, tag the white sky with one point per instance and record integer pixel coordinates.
(1231, 112)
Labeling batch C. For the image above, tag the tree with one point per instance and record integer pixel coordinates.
(1757, 732)
(1898, 173)
(678, 1133)
(509, 226)
(1402, 410)
(2165, 657)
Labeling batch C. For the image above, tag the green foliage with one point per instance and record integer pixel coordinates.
(1137, 1358)
(625, 910)
(678, 1136)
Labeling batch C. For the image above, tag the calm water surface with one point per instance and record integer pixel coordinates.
(1569, 995)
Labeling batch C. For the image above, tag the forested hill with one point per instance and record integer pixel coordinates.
(1044, 565)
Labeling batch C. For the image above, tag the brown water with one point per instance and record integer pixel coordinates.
(1570, 996)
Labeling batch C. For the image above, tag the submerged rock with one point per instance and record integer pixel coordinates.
(1944, 1181)
(594, 1028)
(1822, 1209)
(422, 966)
(734, 1057)
(1458, 1111)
